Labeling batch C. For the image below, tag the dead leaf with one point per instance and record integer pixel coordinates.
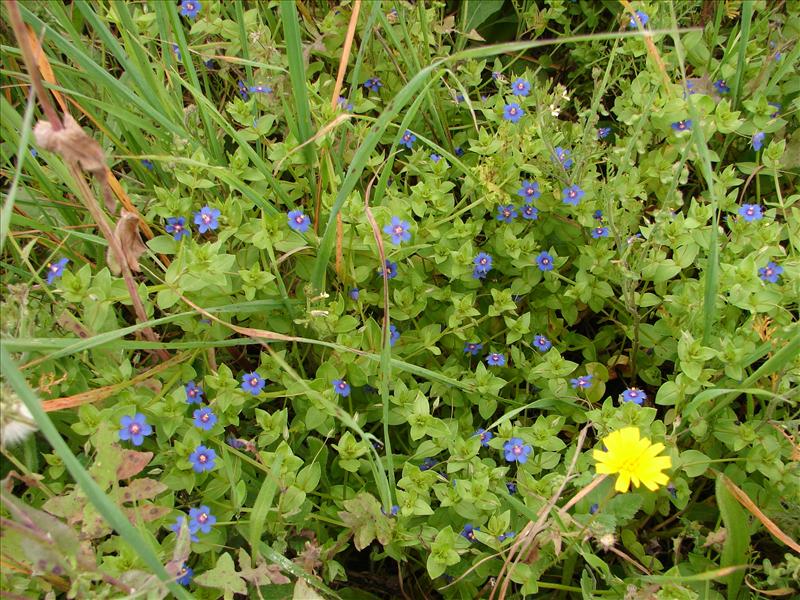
(133, 463)
(127, 234)
(262, 574)
(141, 489)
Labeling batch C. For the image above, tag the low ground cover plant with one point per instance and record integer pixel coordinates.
(390, 299)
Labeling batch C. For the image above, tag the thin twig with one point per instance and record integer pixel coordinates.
(27, 56)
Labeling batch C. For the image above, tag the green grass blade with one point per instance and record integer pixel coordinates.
(8, 205)
(737, 538)
(744, 38)
(104, 505)
(294, 53)
(263, 502)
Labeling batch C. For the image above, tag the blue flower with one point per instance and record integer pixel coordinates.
(721, 87)
(513, 112)
(600, 232)
(469, 532)
(541, 343)
(185, 574)
(344, 104)
(634, 395)
(202, 459)
(758, 140)
(206, 219)
(177, 51)
(544, 261)
(204, 418)
(581, 383)
(530, 212)
(435, 157)
(507, 213)
(56, 269)
(511, 487)
(34, 153)
(134, 428)
(242, 90)
(398, 230)
(598, 215)
(253, 383)
(472, 348)
(147, 164)
(177, 227)
(495, 359)
(516, 450)
(259, 89)
(298, 221)
(529, 190)
(572, 194)
(770, 273)
(639, 17)
(485, 436)
(394, 335)
(520, 87)
(506, 536)
(458, 151)
(562, 155)
(341, 387)
(392, 511)
(178, 524)
(483, 263)
(751, 212)
(593, 508)
(354, 293)
(389, 269)
(210, 63)
(194, 393)
(683, 125)
(428, 464)
(373, 84)
(408, 139)
(602, 132)
(235, 442)
(190, 8)
(201, 519)
(777, 107)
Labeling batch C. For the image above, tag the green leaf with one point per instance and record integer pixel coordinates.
(476, 12)
(737, 540)
(223, 577)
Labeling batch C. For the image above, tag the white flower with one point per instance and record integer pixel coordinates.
(16, 421)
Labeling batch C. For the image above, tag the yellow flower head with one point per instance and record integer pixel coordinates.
(634, 458)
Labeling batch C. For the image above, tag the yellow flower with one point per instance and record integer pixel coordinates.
(634, 458)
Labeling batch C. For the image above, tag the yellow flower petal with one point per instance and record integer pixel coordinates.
(633, 458)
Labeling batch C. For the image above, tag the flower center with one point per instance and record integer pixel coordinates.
(398, 230)
(571, 193)
(193, 393)
(750, 211)
(206, 218)
(254, 381)
(483, 261)
(54, 268)
(513, 111)
(517, 450)
(298, 220)
(545, 261)
(202, 458)
(204, 418)
(203, 518)
(135, 429)
(768, 272)
(506, 213)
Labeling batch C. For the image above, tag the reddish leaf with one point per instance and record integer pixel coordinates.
(132, 463)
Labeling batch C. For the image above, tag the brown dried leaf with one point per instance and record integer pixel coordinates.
(146, 513)
(309, 558)
(72, 143)
(262, 574)
(132, 463)
(141, 489)
(127, 234)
